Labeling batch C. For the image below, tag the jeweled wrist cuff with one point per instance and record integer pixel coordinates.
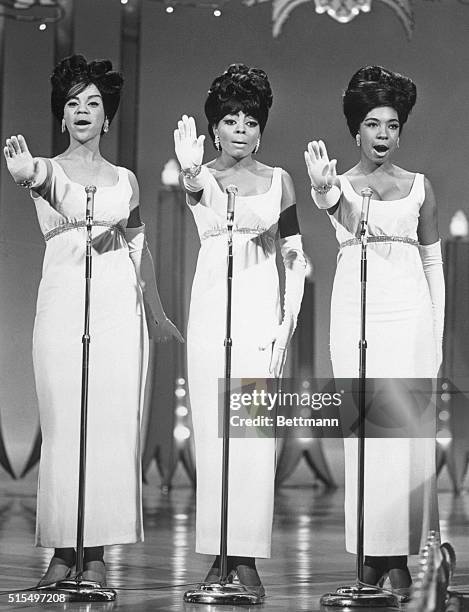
(192, 172)
(323, 189)
(27, 183)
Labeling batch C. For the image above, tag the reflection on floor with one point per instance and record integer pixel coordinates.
(308, 551)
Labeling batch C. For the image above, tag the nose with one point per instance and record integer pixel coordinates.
(240, 127)
(382, 132)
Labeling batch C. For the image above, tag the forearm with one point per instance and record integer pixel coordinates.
(295, 268)
(433, 268)
(142, 260)
(145, 271)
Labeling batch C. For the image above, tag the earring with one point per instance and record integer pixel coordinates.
(216, 142)
(258, 144)
(358, 140)
(63, 128)
(106, 125)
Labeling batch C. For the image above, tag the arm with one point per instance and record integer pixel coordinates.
(430, 253)
(325, 186)
(294, 262)
(159, 326)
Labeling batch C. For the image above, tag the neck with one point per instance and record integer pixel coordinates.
(226, 161)
(366, 166)
(84, 152)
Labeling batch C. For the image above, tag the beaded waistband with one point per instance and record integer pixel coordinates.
(65, 227)
(236, 230)
(382, 238)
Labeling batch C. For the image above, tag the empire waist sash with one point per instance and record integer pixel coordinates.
(65, 227)
(236, 230)
(380, 238)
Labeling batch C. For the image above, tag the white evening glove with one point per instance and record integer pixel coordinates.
(432, 262)
(159, 326)
(295, 265)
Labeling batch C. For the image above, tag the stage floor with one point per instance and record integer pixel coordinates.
(308, 551)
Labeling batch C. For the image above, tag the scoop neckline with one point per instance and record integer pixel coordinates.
(383, 201)
(254, 195)
(84, 186)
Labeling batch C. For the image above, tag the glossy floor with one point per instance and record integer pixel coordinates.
(308, 551)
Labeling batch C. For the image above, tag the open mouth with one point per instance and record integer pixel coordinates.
(381, 149)
(82, 122)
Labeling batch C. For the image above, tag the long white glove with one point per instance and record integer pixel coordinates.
(294, 261)
(159, 326)
(430, 255)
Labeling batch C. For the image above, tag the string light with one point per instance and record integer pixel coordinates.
(124, 1)
(43, 27)
(214, 7)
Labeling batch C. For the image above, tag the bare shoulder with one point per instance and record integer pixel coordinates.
(403, 174)
(352, 172)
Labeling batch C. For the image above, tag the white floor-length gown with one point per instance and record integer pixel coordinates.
(117, 368)
(400, 482)
(255, 313)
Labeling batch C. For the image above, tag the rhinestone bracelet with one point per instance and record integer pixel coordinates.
(323, 189)
(192, 172)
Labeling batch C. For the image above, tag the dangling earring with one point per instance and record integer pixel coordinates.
(358, 140)
(258, 144)
(63, 126)
(216, 142)
(398, 142)
(106, 125)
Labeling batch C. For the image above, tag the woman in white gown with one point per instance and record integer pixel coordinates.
(405, 311)
(237, 108)
(85, 98)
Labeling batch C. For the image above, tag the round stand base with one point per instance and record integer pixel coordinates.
(222, 594)
(359, 596)
(83, 590)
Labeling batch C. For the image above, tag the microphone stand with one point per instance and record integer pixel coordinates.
(360, 594)
(224, 592)
(77, 588)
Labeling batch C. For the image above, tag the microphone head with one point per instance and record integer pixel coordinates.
(90, 189)
(232, 189)
(367, 192)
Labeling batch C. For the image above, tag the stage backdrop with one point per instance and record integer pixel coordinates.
(309, 66)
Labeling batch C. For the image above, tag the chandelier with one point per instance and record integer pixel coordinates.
(342, 11)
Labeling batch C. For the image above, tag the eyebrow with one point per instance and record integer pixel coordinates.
(376, 119)
(88, 98)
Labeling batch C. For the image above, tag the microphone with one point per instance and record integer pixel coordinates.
(90, 190)
(366, 194)
(232, 192)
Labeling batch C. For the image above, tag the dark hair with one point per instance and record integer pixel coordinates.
(239, 88)
(73, 74)
(374, 86)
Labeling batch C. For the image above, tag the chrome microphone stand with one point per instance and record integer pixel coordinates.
(78, 589)
(224, 592)
(360, 594)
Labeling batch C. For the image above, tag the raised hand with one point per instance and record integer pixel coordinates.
(321, 170)
(189, 149)
(20, 162)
